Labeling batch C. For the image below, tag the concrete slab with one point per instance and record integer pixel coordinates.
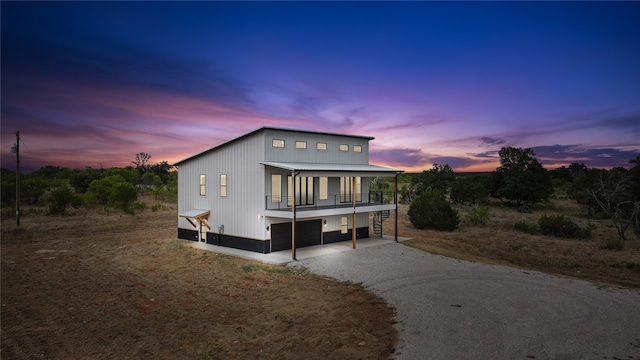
(284, 257)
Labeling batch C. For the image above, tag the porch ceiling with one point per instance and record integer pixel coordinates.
(323, 169)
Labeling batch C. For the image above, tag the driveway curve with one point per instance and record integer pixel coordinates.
(452, 309)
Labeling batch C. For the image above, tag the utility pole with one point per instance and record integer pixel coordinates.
(17, 150)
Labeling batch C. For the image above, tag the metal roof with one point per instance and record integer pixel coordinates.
(264, 128)
(194, 213)
(330, 167)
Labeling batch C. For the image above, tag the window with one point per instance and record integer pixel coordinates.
(277, 143)
(203, 185)
(344, 147)
(223, 185)
(301, 144)
(323, 183)
(321, 146)
(276, 188)
(357, 148)
(347, 189)
(304, 191)
(344, 225)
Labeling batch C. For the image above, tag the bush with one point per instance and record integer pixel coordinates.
(431, 210)
(526, 226)
(561, 226)
(157, 206)
(60, 198)
(612, 244)
(479, 216)
(122, 195)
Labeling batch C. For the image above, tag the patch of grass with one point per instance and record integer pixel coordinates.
(214, 353)
(527, 227)
(269, 269)
(479, 216)
(626, 265)
(158, 206)
(225, 260)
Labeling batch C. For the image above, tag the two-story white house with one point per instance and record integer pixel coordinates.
(277, 189)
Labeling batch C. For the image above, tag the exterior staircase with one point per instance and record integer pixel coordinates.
(378, 218)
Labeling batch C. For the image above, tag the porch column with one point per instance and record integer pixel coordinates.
(293, 220)
(353, 216)
(395, 200)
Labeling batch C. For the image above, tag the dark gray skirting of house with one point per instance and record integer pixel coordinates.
(264, 246)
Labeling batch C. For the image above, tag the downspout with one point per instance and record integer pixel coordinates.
(293, 220)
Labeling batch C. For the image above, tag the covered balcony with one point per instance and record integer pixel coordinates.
(282, 206)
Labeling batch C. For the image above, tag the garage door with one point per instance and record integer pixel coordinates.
(307, 234)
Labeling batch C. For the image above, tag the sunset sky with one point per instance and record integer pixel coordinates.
(94, 83)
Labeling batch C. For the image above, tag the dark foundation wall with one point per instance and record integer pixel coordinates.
(235, 242)
(186, 234)
(336, 236)
(260, 246)
(263, 246)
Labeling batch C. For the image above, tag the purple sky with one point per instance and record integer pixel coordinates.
(94, 83)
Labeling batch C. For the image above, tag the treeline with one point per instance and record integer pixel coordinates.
(61, 189)
(521, 182)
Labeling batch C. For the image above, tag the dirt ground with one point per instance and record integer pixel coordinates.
(106, 285)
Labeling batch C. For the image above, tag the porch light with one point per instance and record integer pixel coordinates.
(267, 228)
(324, 222)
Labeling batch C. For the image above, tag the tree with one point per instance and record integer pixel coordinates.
(142, 163)
(162, 169)
(613, 193)
(439, 177)
(113, 191)
(81, 179)
(8, 187)
(122, 195)
(520, 179)
(469, 189)
(583, 182)
(129, 173)
(431, 210)
(52, 173)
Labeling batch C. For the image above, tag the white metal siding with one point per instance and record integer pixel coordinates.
(311, 155)
(239, 212)
(249, 182)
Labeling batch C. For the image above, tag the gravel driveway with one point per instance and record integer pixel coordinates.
(451, 309)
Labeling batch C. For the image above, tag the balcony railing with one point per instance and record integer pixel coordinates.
(275, 202)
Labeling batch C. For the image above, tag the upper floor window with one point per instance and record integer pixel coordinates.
(301, 144)
(344, 147)
(321, 146)
(203, 185)
(323, 185)
(350, 188)
(276, 188)
(223, 185)
(303, 190)
(277, 143)
(357, 148)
